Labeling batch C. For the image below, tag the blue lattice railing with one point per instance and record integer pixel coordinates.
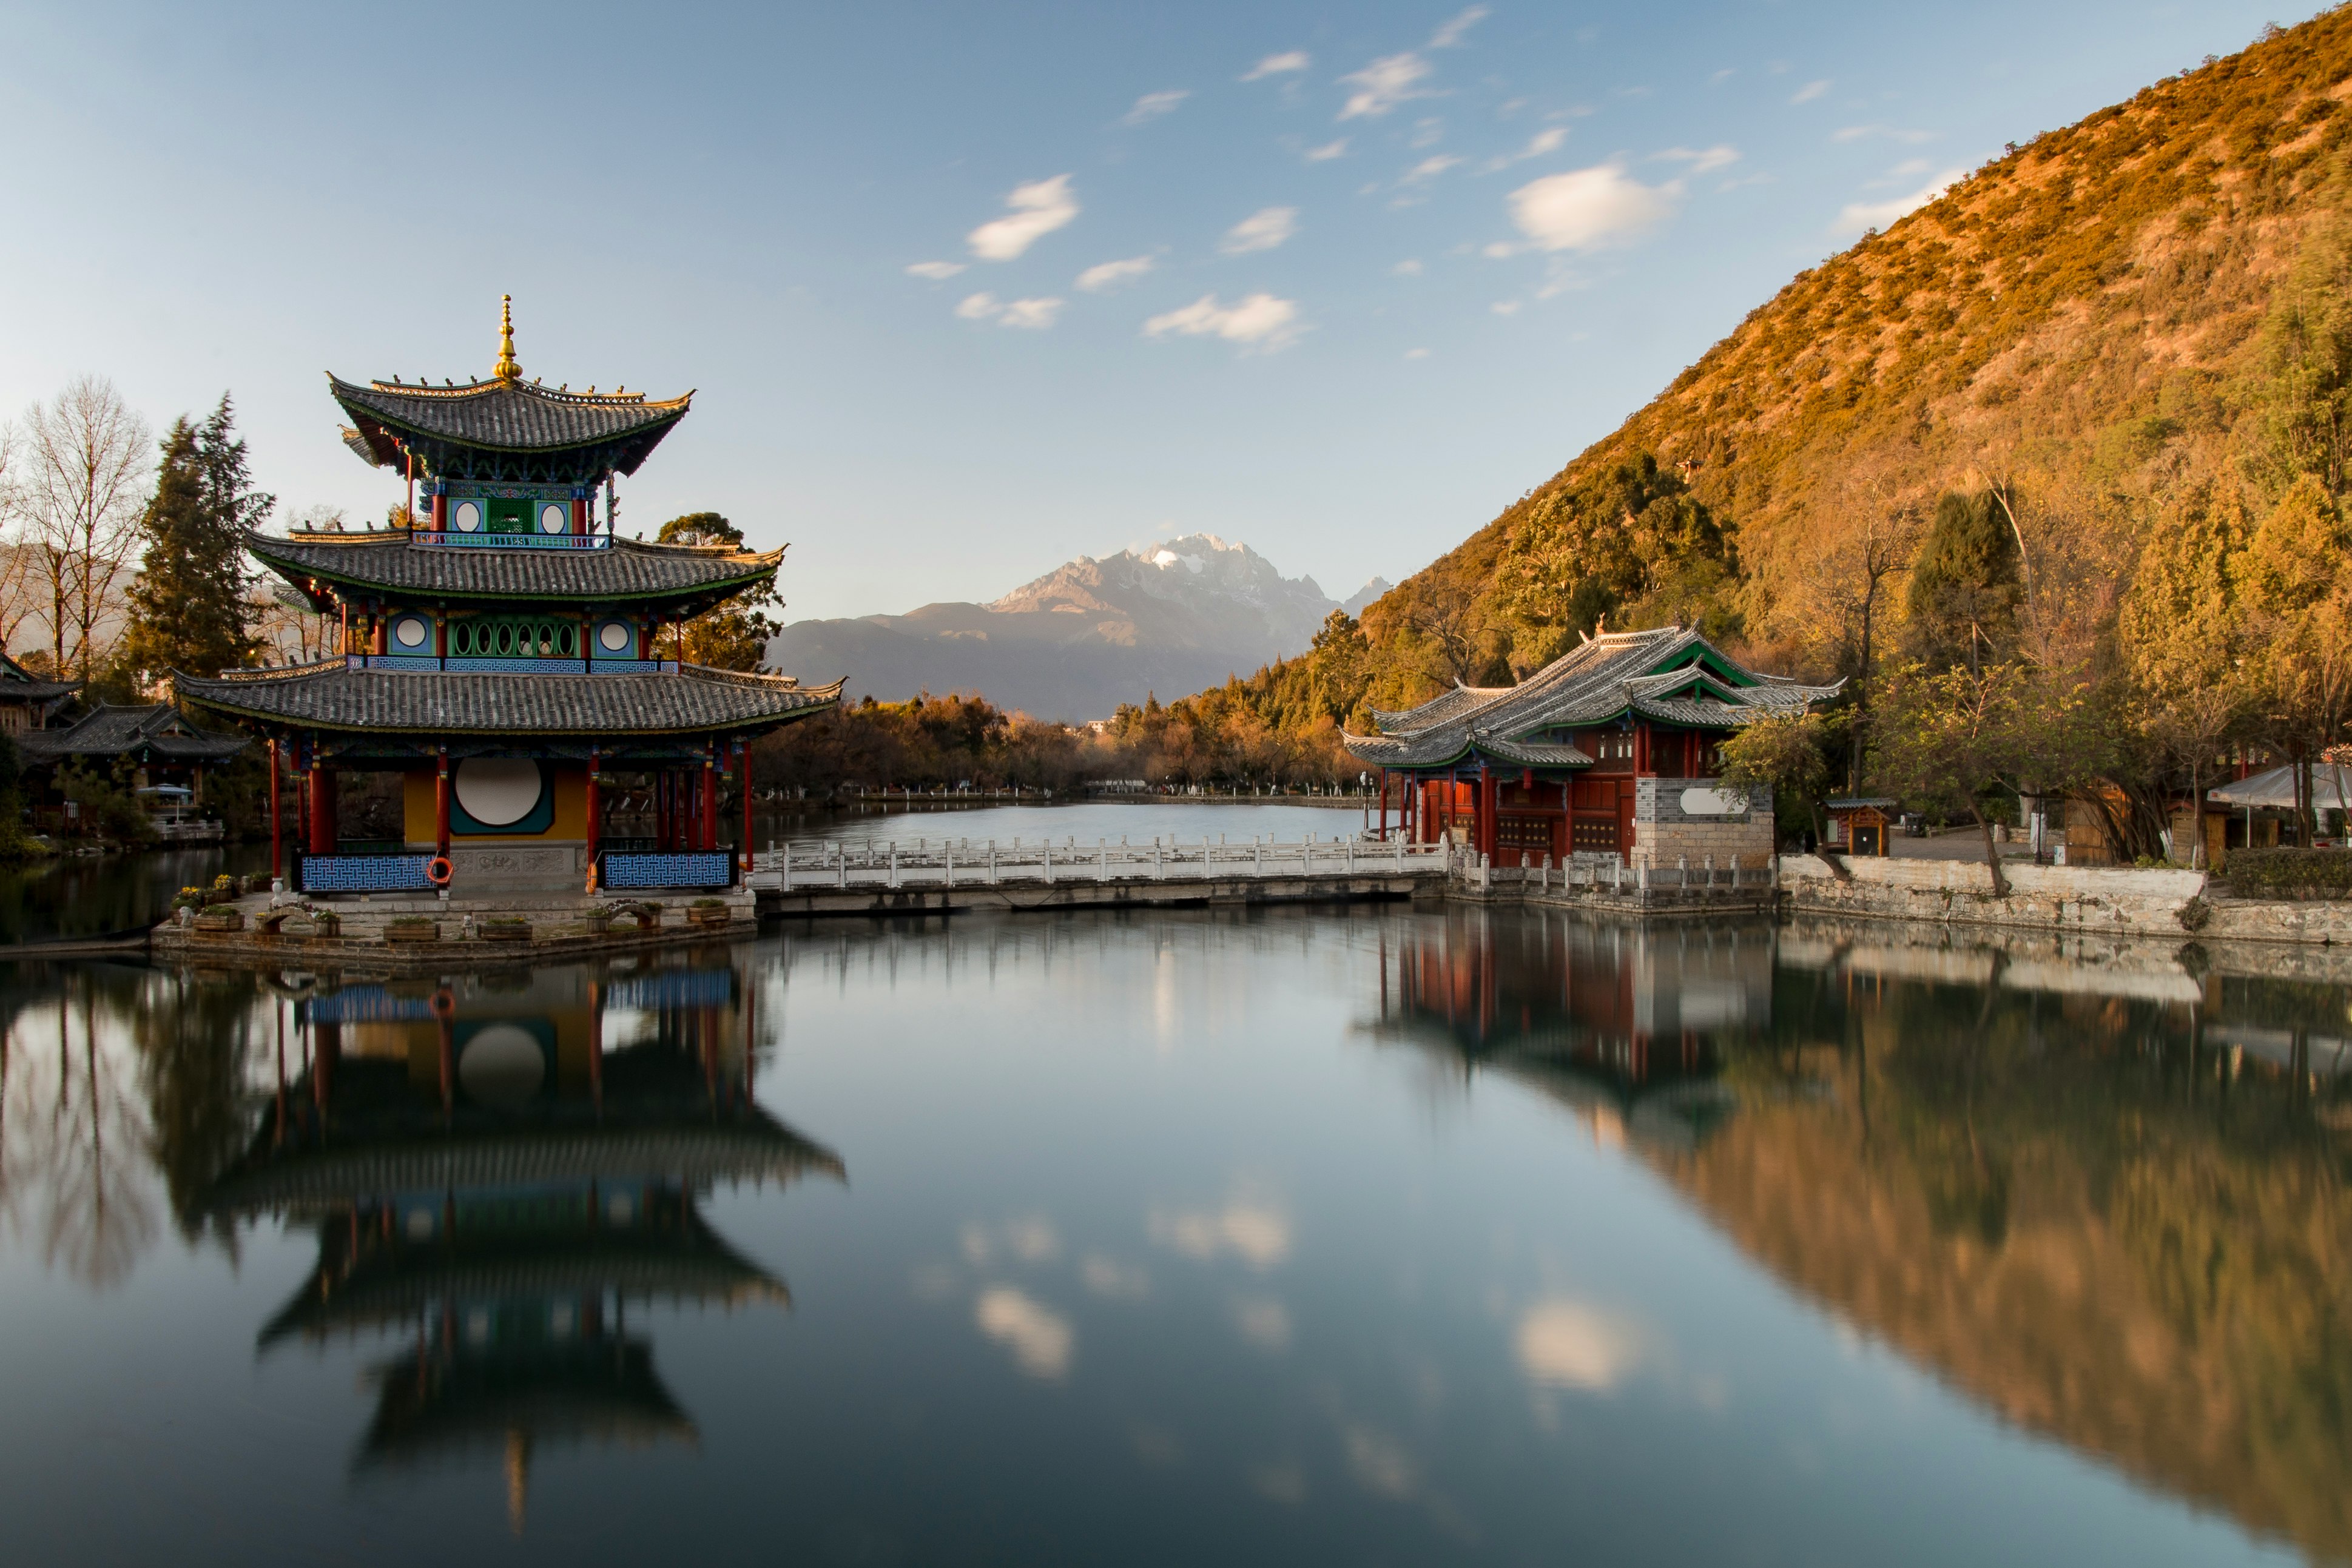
(693, 868)
(362, 873)
(458, 664)
(513, 541)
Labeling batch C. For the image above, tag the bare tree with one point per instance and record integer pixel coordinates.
(18, 600)
(85, 459)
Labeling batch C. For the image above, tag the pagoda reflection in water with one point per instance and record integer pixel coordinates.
(1626, 1025)
(499, 1168)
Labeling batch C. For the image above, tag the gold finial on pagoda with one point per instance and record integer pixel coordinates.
(509, 369)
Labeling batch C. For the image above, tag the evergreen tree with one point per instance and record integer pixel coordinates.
(1966, 586)
(189, 611)
(735, 635)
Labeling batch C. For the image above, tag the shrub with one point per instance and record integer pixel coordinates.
(2290, 872)
(710, 903)
(218, 909)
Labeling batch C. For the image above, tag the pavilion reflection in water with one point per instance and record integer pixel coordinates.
(1625, 1025)
(499, 1168)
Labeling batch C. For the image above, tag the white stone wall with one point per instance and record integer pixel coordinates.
(1667, 834)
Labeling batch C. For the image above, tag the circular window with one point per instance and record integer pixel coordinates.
(613, 637)
(496, 790)
(469, 517)
(554, 519)
(502, 1065)
(409, 632)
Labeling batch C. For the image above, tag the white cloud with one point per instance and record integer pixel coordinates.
(1034, 313)
(1427, 133)
(1152, 105)
(1328, 151)
(1544, 141)
(1725, 75)
(1034, 1240)
(1704, 160)
(938, 271)
(1030, 313)
(1416, 353)
(1382, 85)
(1505, 306)
(1859, 215)
(1567, 1344)
(1261, 230)
(1040, 1339)
(1114, 1281)
(1809, 91)
(1038, 209)
(1111, 274)
(1450, 35)
(1409, 267)
(1256, 1232)
(1587, 209)
(1428, 169)
(1276, 64)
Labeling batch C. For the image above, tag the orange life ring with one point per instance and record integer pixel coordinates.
(438, 871)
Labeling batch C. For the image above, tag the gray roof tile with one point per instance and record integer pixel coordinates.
(332, 695)
(624, 568)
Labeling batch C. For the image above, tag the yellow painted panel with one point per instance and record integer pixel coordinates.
(571, 822)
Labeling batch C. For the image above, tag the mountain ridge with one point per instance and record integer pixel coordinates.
(1076, 641)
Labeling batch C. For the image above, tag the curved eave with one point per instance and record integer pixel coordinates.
(383, 436)
(333, 698)
(304, 576)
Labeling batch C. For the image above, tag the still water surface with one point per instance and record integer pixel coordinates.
(1380, 1235)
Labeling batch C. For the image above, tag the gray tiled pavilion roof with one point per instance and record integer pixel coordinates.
(158, 730)
(331, 695)
(393, 563)
(502, 414)
(1593, 683)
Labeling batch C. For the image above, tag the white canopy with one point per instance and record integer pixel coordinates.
(2331, 788)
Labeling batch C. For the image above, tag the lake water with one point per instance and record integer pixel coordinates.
(1369, 1235)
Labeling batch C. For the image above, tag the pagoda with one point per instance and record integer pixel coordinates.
(508, 655)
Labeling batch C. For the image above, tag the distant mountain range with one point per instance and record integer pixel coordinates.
(1170, 618)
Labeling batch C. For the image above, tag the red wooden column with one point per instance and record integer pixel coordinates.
(595, 812)
(1489, 791)
(711, 799)
(743, 754)
(277, 833)
(441, 803)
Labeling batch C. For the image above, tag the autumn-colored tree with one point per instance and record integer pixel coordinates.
(2294, 578)
(1958, 738)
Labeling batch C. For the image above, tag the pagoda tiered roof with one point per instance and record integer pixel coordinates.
(392, 562)
(504, 428)
(334, 694)
(1669, 675)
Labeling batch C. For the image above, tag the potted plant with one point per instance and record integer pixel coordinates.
(324, 923)
(596, 919)
(190, 898)
(220, 917)
(709, 912)
(411, 928)
(504, 929)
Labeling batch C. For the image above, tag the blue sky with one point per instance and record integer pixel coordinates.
(1338, 281)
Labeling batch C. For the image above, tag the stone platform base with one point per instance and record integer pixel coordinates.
(558, 929)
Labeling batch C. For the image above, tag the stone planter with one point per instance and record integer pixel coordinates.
(220, 924)
(596, 925)
(493, 931)
(710, 919)
(402, 934)
(326, 927)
